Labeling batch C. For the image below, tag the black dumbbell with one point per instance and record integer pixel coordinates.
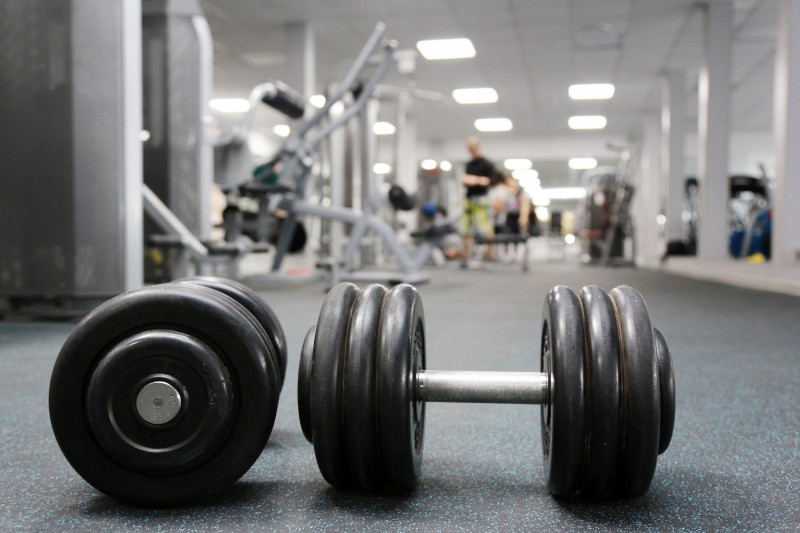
(606, 390)
(166, 394)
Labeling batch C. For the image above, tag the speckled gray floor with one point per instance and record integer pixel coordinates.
(734, 462)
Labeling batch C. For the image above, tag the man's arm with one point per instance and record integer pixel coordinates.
(472, 179)
(524, 209)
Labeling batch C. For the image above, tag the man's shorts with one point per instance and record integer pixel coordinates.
(476, 218)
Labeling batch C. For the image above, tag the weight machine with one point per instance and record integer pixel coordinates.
(607, 221)
(190, 255)
(291, 169)
(750, 216)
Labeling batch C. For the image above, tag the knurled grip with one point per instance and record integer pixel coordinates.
(482, 387)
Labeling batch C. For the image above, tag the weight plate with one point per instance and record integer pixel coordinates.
(190, 373)
(212, 320)
(640, 393)
(299, 237)
(564, 417)
(358, 392)
(304, 383)
(603, 391)
(326, 383)
(401, 419)
(666, 380)
(251, 301)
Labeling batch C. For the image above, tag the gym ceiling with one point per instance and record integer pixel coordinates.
(530, 51)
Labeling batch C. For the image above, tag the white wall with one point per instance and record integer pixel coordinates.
(747, 150)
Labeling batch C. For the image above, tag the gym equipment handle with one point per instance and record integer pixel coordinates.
(482, 387)
(280, 96)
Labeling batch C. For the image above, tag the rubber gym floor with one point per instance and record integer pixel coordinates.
(734, 461)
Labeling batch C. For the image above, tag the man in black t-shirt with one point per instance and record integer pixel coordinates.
(477, 178)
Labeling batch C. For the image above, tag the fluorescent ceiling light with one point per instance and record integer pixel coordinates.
(531, 185)
(381, 168)
(337, 108)
(517, 164)
(493, 124)
(317, 100)
(281, 130)
(230, 105)
(383, 128)
(542, 213)
(529, 180)
(144, 136)
(587, 122)
(428, 164)
(446, 49)
(478, 95)
(565, 193)
(582, 163)
(446, 166)
(591, 91)
(525, 173)
(539, 198)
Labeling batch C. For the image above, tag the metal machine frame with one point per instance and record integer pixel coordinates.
(297, 156)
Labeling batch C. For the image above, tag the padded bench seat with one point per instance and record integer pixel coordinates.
(258, 189)
(433, 232)
(503, 238)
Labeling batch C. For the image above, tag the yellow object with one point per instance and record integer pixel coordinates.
(757, 257)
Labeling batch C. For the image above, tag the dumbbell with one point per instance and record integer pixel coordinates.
(169, 393)
(606, 390)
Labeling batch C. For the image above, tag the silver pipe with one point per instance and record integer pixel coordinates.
(366, 92)
(171, 224)
(482, 387)
(261, 90)
(346, 83)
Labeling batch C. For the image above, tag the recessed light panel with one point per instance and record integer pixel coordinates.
(381, 168)
(587, 122)
(281, 130)
(565, 193)
(525, 174)
(582, 163)
(517, 164)
(477, 95)
(383, 128)
(493, 124)
(591, 91)
(428, 164)
(446, 49)
(317, 100)
(528, 179)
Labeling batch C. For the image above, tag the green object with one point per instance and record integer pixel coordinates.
(265, 173)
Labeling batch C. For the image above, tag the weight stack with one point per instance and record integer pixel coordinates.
(177, 75)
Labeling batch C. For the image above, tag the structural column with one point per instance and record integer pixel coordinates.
(647, 196)
(406, 155)
(713, 130)
(177, 74)
(71, 156)
(786, 202)
(673, 131)
(302, 58)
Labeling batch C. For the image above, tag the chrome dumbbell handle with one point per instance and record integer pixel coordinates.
(482, 387)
